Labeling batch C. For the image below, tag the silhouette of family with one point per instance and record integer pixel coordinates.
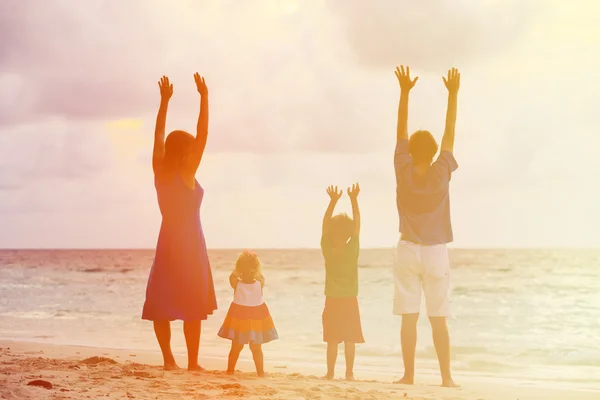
(181, 287)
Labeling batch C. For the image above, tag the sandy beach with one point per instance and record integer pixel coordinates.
(92, 373)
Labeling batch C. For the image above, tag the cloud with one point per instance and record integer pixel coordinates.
(277, 71)
(54, 149)
(429, 35)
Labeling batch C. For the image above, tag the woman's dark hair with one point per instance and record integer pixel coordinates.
(177, 147)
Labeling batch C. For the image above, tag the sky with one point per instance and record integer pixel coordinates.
(302, 95)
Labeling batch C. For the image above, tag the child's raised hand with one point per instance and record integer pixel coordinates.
(166, 88)
(354, 191)
(334, 193)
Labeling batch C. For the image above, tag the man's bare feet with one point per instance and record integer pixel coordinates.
(195, 367)
(406, 380)
(350, 377)
(328, 377)
(229, 372)
(450, 383)
(171, 366)
(260, 374)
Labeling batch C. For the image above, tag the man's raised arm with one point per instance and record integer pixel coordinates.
(406, 84)
(452, 84)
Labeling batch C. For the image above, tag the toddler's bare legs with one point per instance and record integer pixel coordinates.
(257, 355)
(162, 330)
(234, 354)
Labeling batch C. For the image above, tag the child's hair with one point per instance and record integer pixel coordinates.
(248, 265)
(341, 226)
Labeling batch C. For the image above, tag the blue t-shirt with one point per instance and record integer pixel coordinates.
(423, 200)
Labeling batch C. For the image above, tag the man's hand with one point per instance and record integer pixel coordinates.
(334, 193)
(166, 88)
(354, 191)
(200, 84)
(453, 81)
(404, 78)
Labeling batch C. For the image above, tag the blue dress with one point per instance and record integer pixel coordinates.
(180, 285)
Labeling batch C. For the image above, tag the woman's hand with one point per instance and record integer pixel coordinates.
(200, 84)
(166, 88)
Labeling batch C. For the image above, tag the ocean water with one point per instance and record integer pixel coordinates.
(526, 315)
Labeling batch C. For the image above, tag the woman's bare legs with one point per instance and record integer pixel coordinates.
(191, 330)
(257, 355)
(162, 330)
(234, 354)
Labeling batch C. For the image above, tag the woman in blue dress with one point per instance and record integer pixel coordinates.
(180, 285)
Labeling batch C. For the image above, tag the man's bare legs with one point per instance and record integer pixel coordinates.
(162, 329)
(408, 339)
(191, 330)
(441, 341)
(234, 354)
(257, 356)
(332, 352)
(349, 352)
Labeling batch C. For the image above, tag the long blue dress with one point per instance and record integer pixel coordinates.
(180, 285)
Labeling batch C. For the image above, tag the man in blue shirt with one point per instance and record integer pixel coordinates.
(423, 201)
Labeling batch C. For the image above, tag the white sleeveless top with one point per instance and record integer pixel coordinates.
(248, 294)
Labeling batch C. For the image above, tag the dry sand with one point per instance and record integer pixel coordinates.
(92, 373)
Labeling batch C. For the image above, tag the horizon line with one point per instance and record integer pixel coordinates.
(450, 247)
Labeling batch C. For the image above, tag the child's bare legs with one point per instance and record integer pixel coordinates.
(257, 355)
(349, 352)
(191, 330)
(234, 354)
(332, 352)
(162, 330)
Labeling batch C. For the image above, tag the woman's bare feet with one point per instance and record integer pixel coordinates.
(195, 367)
(171, 366)
(328, 377)
(230, 372)
(406, 380)
(450, 383)
(350, 376)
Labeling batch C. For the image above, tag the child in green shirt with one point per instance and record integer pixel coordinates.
(340, 248)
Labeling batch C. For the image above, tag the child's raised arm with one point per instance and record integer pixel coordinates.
(334, 196)
(158, 153)
(353, 194)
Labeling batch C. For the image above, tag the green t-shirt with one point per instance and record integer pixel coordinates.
(341, 268)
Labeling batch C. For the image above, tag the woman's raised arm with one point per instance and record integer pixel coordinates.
(166, 91)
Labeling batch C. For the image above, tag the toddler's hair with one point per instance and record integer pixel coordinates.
(248, 265)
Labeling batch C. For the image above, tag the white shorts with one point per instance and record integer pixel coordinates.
(426, 268)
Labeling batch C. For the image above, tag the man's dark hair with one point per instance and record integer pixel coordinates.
(422, 147)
